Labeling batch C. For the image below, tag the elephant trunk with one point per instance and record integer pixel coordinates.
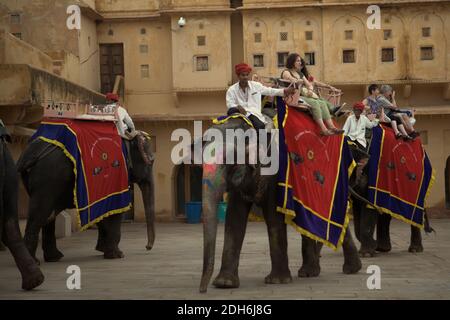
(148, 196)
(212, 191)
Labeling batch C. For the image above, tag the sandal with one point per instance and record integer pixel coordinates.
(414, 134)
(398, 136)
(408, 138)
(326, 133)
(337, 131)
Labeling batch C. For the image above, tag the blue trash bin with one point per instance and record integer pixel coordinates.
(193, 211)
(221, 211)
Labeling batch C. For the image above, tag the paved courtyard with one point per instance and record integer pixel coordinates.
(172, 269)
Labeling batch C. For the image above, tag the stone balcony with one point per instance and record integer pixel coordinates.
(26, 89)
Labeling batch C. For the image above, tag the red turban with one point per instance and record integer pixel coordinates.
(112, 97)
(359, 106)
(241, 68)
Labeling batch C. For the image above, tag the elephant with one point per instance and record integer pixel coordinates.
(49, 179)
(10, 235)
(246, 186)
(366, 219)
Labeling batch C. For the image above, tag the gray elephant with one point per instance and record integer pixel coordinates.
(367, 219)
(48, 177)
(245, 186)
(9, 225)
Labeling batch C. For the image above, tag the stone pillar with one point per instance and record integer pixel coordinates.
(63, 225)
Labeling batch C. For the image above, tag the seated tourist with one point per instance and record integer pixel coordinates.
(371, 104)
(399, 117)
(245, 96)
(319, 108)
(356, 124)
(313, 81)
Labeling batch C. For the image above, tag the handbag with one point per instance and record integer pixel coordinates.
(292, 100)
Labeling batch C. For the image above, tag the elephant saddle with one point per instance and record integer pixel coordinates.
(400, 176)
(101, 177)
(312, 182)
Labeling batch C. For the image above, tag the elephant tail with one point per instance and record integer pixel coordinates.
(427, 227)
(362, 199)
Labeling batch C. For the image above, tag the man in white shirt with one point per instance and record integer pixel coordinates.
(245, 96)
(125, 125)
(356, 124)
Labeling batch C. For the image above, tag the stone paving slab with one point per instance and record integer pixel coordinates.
(172, 269)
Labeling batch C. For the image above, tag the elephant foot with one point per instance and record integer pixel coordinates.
(100, 247)
(113, 254)
(309, 271)
(278, 278)
(32, 279)
(226, 281)
(384, 246)
(52, 255)
(38, 262)
(415, 248)
(352, 266)
(367, 252)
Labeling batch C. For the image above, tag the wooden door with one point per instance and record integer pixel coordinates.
(111, 65)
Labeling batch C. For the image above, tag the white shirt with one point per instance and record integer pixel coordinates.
(124, 121)
(250, 100)
(356, 129)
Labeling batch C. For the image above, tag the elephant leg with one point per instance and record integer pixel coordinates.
(10, 233)
(352, 262)
(112, 226)
(51, 252)
(276, 228)
(29, 269)
(101, 240)
(383, 233)
(235, 227)
(368, 220)
(357, 207)
(39, 211)
(416, 240)
(311, 258)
